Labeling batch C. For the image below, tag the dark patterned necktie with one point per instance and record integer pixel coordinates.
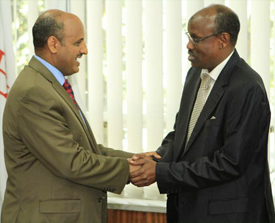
(69, 90)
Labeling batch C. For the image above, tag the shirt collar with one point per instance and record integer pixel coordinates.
(214, 74)
(56, 73)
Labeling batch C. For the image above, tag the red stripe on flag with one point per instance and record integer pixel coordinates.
(3, 72)
(1, 55)
(4, 94)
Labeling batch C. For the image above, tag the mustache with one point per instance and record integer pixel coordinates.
(190, 52)
(79, 55)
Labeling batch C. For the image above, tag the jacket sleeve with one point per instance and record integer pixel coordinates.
(166, 148)
(56, 138)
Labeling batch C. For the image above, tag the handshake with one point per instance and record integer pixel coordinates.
(143, 169)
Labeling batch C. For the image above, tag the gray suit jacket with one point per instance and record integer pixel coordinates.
(56, 170)
(222, 174)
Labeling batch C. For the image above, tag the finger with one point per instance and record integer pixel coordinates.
(155, 154)
(137, 162)
(139, 182)
(136, 174)
(133, 168)
(139, 176)
(138, 156)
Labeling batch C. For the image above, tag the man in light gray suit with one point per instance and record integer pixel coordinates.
(56, 170)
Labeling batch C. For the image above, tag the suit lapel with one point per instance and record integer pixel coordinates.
(189, 94)
(91, 135)
(85, 125)
(213, 99)
(62, 92)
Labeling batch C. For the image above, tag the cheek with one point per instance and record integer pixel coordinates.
(208, 53)
(202, 55)
(70, 60)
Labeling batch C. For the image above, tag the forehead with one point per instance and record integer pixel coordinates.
(73, 27)
(202, 23)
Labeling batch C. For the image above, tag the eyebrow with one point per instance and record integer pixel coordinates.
(79, 40)
(194, 35)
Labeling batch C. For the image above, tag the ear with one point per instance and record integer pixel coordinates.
(224, 40)
(53, 44)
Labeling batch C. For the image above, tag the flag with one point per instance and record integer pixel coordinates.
(7, 77)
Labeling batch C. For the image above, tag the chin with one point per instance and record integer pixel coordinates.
(74, 71)
(193, 65)
(71, 73)
(196, 65)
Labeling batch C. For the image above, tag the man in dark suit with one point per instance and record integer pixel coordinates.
(214, 164)
(56, 170)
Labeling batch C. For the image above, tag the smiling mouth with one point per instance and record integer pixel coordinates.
(191, 56)
(77, 60)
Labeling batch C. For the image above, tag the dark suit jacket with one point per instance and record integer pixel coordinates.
(56, 171)
(222, 174)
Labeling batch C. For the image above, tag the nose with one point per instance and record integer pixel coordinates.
(190, 45)
(84, 49)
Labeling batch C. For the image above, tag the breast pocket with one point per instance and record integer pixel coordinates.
(212, 135)
(213, 121)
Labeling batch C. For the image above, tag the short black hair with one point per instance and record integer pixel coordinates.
(46, 26)
(227, 21)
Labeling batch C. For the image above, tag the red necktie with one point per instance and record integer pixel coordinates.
(69, 90)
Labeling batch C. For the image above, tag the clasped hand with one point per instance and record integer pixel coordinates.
(143, 169)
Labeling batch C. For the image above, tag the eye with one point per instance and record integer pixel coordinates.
(196, 40)
(78, 43)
